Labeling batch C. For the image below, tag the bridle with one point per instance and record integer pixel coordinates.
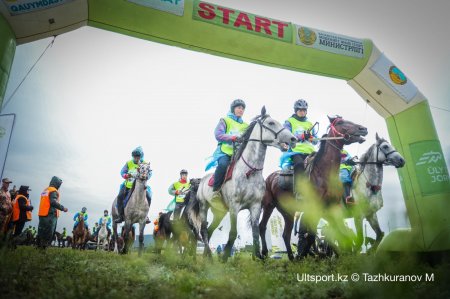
(261, 121)
(148, 170)
(261, 126)
(378, 162)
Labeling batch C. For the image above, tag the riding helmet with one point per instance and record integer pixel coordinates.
(300, 104)
(235, 103)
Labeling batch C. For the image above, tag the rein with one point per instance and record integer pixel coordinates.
(378, 162)
(264, 142)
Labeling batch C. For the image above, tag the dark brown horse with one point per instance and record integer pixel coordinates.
(80, 234)
(323, 172)
(183, 233)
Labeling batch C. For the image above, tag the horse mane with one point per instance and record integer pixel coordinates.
(316, 156)
(246, 136)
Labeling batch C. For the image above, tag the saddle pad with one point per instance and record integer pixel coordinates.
(228, 176)
(125, 201)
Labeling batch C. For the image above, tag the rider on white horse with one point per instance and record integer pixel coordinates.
(128, 172)
(227, 131)
(106, 219)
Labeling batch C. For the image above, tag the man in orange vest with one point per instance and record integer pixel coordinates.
(49, 208)
(21, 209)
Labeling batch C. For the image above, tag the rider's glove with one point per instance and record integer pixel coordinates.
(237, 139)
(350, 162)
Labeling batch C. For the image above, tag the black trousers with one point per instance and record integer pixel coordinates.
(18, 228)
(219, 174)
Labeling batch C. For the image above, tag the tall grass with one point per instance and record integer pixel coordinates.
(65, 273)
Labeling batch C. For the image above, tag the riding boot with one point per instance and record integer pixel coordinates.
(299, 171)
(217, 201)
(347, 194)
(120, 207)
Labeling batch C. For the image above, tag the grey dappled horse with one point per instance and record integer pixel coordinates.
(102, 237)
(246, 188)
(136, 209)
(367, 185)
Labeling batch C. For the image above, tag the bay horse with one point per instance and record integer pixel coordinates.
(323, 168)
(57, 236)
(80, 234)
(367, 186)
(136, 209)
(184, 235)
(246, 188)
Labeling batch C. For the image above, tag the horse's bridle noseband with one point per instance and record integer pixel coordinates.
(264, 142)
(378, 162)
(261, 126)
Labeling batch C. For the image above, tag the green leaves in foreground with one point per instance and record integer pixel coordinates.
(67, 273)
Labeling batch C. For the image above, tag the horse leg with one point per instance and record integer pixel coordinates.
(232, 235)
(255, 213)
(267, 212)
(307, 235)
(204, 229)
(287, 231)
(116, 250)
(141, 237)
(126, 228)
(373, 221)
(359, 233)
(217, 218)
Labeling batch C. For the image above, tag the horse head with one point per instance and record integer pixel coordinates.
(349, 131)
(144, 172)
(387, 154)
(194, 184)
(80, 218)
(272, 132)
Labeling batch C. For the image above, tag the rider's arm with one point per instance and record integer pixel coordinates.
(124, 170)
(53, 201)
(220, 134)
(172, 190)
(23, 204)
(288, 127)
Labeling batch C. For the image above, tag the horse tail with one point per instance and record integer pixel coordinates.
(193, 212)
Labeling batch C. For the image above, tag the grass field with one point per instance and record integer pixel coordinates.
(65, 273)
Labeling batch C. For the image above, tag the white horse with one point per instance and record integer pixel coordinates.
(136, 209)
(367, 185)
(246, 188)
(102, 237)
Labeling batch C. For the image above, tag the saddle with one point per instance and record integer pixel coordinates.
(286, 180)
(228, 175)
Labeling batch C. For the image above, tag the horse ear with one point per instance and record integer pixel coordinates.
(331, 118)
(263, 111)
(377, 137)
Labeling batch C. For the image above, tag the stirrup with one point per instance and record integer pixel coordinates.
(350, 200)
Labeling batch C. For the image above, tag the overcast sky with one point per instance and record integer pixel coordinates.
(96, 95)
